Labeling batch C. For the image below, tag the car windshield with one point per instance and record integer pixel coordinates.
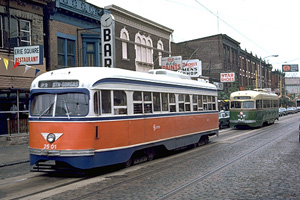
(65, 104)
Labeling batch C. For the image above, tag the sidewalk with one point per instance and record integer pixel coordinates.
(13, 149)
(14, 154)
(14, 139)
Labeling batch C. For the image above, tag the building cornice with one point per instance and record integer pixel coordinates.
(128, 18)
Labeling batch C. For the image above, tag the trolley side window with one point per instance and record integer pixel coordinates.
(204, 102)
(120, 102)
(156, 102)
(137, 103)
(172, 102)
(195, 105)
(105, 101)
(187, 102)
(258, 104)
(200, 102)
(147, 102)
(165, 103)
(213, 103)
(181, 102)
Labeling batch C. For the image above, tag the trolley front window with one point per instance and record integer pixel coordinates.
(64, 104)
(242, 104)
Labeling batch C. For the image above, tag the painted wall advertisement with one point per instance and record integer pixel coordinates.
(227, 77)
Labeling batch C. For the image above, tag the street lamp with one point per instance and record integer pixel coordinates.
(260, 68)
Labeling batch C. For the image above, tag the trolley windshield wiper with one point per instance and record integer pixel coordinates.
(66, 107)
(47, 109)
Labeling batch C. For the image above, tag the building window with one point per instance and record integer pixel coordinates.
(160, 46)
(144, 49)
(66, 52)
(91, 54)
(17, 33)
(91, 50)
(125, 37)
(25, 32)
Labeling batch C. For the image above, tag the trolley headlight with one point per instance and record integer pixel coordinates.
(51, 138)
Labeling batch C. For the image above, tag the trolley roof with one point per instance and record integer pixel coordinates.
(253, 94)
(92, 77)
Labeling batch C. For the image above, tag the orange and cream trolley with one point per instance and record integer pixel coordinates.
(90, 117)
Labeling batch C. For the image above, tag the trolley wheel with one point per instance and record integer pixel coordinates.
(150, 154)
(128, 163)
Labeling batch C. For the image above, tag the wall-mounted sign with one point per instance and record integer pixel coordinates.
(192, 68)
(108, 40)
(290, 68)
(227, 77)
(29, 55)
(80, 7)
(171, 63)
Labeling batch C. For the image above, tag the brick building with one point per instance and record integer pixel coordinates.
(139, 42)
(73, 34)
(222, 54)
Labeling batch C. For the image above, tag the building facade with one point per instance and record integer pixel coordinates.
(139, 42)
(73, 34)
(21, 26)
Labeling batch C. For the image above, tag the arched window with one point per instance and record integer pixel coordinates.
(138, 48)
(124, 36)
(160, 46)
(149, 51)
(144, 49)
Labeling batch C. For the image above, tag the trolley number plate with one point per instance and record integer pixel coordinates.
(49, 146)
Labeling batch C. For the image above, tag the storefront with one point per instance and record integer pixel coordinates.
(14, 104)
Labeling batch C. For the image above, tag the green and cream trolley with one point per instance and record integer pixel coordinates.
(253, 108)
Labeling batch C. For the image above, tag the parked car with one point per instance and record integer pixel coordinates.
(224, 119)
(292, 110)
(282, 112)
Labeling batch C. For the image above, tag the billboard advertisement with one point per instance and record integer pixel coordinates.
(29, 55)
(290, 68)
(192, 67)
(227, 77)
(171, 63)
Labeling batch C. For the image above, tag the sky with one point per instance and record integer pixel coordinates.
(263, 27)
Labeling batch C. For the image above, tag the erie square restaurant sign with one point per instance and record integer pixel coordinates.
(227, 77)
(29, 55)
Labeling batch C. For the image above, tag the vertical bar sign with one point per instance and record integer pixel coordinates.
(108, 40)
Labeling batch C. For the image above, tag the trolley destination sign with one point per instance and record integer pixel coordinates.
(58, 83)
